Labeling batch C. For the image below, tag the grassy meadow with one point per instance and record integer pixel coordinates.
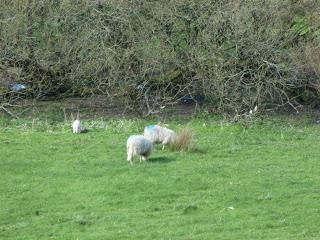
(256, 182)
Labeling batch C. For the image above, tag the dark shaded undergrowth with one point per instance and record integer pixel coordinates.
(226, 55)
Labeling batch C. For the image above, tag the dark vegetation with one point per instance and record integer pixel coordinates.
(225, 55)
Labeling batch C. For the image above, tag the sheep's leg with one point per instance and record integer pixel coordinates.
(144, 158)
(130, 156)
(162, 147)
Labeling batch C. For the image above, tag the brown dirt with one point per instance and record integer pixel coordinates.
(95, 107)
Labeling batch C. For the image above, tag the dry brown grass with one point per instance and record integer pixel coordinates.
(184, 141)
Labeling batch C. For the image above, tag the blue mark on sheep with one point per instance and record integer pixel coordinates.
(151, 127)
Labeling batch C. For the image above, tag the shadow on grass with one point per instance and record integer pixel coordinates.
(160, 160)
(195, 150)
(199, 150)
(85, 130)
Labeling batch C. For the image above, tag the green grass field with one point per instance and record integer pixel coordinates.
(261, 182)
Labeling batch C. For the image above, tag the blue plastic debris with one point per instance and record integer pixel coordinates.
(187, 99)
(18, 87)
(140, 87)
(198, 98)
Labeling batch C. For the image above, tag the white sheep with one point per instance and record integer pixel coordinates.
(158, 134)
(76, 126)
(138, 145)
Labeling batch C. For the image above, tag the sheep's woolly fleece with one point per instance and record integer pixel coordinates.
(158, 134)
(138, 145)
(76, 126)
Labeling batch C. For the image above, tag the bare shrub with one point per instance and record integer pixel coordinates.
(184, 141)
(226, 55)
(312, 55)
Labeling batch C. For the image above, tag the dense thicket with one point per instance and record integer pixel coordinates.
(226, 54)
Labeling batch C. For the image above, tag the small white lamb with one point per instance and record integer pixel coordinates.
(76, 126)
(138, 145)
(158, 134)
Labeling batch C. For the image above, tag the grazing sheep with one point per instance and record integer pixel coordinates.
(76, 126)
(138, 145)
(157, 134)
